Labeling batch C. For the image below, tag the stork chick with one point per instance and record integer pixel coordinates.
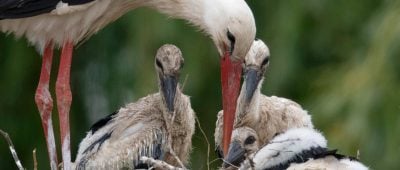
(268, 116)
(159, 126)
(295, 149)
(244, 144)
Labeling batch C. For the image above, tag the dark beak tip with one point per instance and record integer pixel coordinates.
(235, 155)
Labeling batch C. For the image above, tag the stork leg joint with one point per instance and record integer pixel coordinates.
(63, 92)
(44, 102)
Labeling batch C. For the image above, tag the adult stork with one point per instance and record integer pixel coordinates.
(64, 23)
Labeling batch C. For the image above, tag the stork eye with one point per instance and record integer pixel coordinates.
(249, 140)
(232, 39)
(265, 61)
(159, 65)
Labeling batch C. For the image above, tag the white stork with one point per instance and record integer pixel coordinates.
(266, 115)
(159, 126)
(49, 23)
(295, 149)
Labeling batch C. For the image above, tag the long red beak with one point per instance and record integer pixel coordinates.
(231, 72)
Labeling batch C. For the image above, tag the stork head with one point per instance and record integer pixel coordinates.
(231, 26)
(244, 142)
(168, 63)
(255, 65)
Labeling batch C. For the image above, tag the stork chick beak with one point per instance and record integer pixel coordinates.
(252, 78)
(235, 155)
(168, 87)
(230, 80)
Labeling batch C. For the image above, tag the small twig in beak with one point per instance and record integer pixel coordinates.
(230, 164)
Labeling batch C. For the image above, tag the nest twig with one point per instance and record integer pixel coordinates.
(159, 164)
(12, 150)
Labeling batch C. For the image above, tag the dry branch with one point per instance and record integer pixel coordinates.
(184, 82)
(34, 159)
(208, 143)
(12, 150)
(159, 164)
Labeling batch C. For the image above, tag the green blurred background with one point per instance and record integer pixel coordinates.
(339, 59)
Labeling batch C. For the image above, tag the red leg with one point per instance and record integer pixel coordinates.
(64, 99)
(44, 103)
(231, 72)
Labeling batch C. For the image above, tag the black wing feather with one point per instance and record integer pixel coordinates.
(76, 2)
(102, 122)
(157, 152)
(13, 9)
(312, 153)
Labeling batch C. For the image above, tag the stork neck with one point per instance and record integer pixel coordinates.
(190, 10)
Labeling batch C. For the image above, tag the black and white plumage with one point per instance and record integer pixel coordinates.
(12, 9)
(295, 149)
(158, 126)
(267, 115)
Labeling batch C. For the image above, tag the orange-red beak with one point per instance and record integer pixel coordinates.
(231, 72)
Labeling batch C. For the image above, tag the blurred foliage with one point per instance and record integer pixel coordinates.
(338, 59)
